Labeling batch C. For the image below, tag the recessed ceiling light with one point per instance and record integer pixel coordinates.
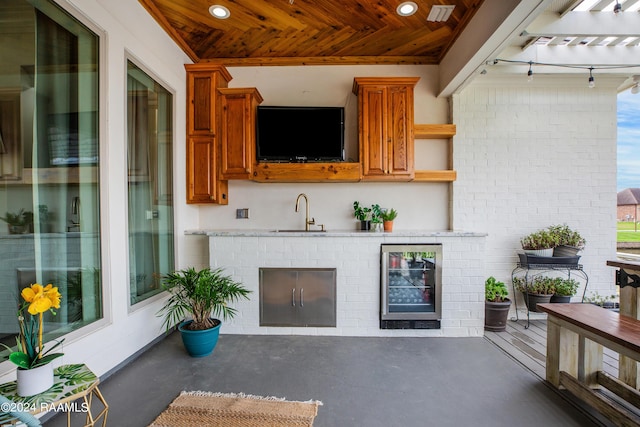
(407, 8)
(440, 13)
(219, 12)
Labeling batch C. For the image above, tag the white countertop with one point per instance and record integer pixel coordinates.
(333, 233)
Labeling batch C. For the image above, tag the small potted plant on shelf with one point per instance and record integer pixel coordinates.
(388, 215)
(564, 290)
(538, 290)
(363, 215)
(200, 294)
(18, 223)
(496, 305)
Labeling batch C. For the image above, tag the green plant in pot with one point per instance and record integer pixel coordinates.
(564, 290)
(568, 242)
(200, 294)
(537, 290)
(363, 215)
(18, 222)
(539, 243)
(496, 305)
(376, 217)
(388, 215)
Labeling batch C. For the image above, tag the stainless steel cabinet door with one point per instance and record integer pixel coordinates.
(297, 297)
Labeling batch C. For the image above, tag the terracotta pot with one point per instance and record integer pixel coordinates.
(388, 225)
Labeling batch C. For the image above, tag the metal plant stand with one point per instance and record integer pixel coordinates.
(530, 270)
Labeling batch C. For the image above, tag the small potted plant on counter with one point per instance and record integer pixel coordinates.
(363, 215)
(388, 215)
(496, 305)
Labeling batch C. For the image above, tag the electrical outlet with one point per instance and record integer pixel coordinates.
(242, 213)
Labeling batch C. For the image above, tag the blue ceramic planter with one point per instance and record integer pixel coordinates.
(199, 343)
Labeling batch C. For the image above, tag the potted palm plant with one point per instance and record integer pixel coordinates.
(496, 305)
(200, 294)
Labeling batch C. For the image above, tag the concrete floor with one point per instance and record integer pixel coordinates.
(370, 382)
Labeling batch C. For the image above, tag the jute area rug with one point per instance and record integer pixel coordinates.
(204, 409)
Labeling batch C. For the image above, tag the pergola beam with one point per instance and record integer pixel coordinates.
(585, 24)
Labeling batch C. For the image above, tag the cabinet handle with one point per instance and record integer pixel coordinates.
(302, 297)
(293, 297)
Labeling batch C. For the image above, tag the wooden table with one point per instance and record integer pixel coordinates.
(628, 279)
(70, 384)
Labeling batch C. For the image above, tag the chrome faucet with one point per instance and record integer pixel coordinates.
(307, 221)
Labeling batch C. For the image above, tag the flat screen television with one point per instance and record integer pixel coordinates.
(300, 134)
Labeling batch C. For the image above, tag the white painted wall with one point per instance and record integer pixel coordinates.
(420, 205)
(530, 155)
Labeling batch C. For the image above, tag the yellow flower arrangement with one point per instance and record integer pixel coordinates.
(30, 351)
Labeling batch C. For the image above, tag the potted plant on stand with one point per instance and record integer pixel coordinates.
(388, 215)
(538, 290)
(539, 243)
(569, 242)
(35, 371)
(200, 294)
(564, 290)
(496, 305)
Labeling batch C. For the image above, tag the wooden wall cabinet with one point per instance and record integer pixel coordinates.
(385, 127)
(237, 132)
(203, 132)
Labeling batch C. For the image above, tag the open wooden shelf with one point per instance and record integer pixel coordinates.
(434, 131)
(307, 172)
(435, 176)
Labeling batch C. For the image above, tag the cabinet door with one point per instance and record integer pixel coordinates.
(203, 185)
(237, 132)
(373, 131)
(278, 297)
(317, 297)
(400, 131)
(201, 119)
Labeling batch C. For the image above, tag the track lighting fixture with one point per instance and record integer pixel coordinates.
(592, 82)
(530, 72)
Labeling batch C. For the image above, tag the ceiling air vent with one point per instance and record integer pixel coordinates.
(440, 13)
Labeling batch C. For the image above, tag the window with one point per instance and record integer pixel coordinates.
(150, 183)
(49, 180)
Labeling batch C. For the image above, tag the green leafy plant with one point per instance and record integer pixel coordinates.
(564, 235)
(601, 300)
(541, 285)
(566, 287)
(495, 291)
(540, 239)
(389, 214)
(376, 214)
(21, 218)
(200, 294)
(361, 213)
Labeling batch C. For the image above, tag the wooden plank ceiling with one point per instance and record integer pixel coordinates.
(295, 32)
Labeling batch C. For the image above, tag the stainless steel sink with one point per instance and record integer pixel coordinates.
(299, 231)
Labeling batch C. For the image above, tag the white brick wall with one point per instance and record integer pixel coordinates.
(357, 260)
(529, 155)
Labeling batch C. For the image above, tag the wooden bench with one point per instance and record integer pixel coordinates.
(576, 334)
